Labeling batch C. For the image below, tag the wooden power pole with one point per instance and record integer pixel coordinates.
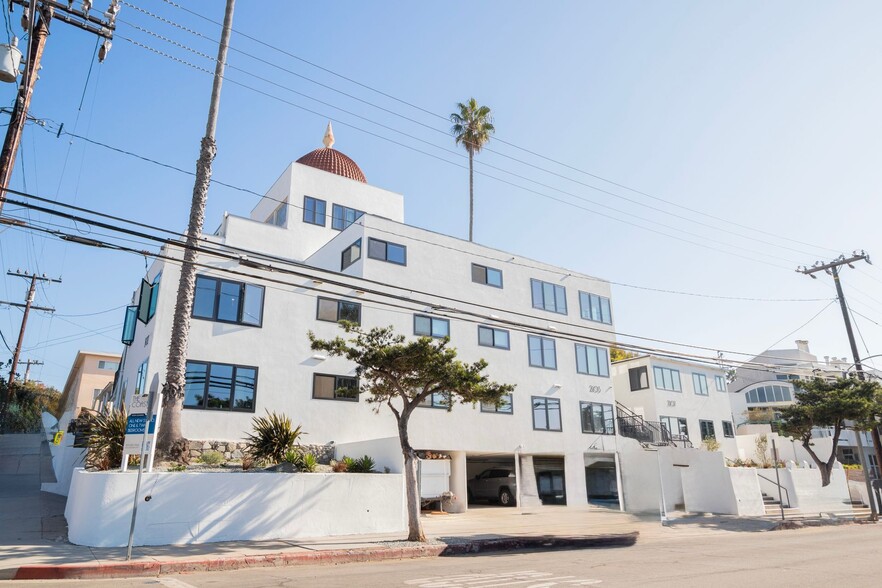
(44, 11)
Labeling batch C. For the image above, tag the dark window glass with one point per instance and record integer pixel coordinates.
(194, 384)
(728, 429)
(350, 255)
(131, 321)
(246, 379)
(546, 414)
(220, 380)
(330, 387)
(486, 275)
(505, 405)
(639, 377)
(542, 352)
(342, 216)
(594, 308)
(490, 337)
(231, 302)
(592, 360)
(220, 386)
(228, 302)
(597, 418)
(436, 400)
(430, 326)
(707, 429)
(396, 253)
(314, 211)
(338, 310)
(550, 297)
(204, 298)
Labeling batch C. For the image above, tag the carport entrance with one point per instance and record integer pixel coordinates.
(600, 479)
(550, 479)
(491, 480)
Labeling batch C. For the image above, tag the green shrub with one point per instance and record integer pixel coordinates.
(105, 434)
(211, 457)
(362, 465)
(308, 462)
(273, 437)
(178, 467)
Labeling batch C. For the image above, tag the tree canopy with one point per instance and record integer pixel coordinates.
(401, 374)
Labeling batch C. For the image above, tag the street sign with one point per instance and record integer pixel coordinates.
(135, 425)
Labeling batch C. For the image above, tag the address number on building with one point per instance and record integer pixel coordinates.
(595, 389)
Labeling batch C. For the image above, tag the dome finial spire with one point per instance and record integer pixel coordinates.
(328, 139)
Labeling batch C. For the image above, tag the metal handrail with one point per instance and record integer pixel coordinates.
(779, 486)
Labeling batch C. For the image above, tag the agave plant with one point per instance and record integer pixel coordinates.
(104, 441)
(362, 465)
(273, 437)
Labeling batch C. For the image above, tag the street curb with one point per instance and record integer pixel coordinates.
(95, 570)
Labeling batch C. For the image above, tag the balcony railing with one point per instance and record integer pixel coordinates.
(648, 432)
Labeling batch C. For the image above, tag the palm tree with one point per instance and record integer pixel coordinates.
(472, 127)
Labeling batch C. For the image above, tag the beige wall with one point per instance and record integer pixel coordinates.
(86, 377)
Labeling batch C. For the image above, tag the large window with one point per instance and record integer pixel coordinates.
(220, 386)
(707, 429)
(542, 352)
(699, 384)
(639, 377)
(338, 310)
(350, 255)
(594, 308)
(728, 429)
(505, 405)
(227, 301)
(676, 426)
(548, 296)
(436, 400)
(592, 360)
(330, 387)
(720, 382)
(112, 366)
(279, 217)
(430, 326)
(597, 418)
(667, 379)
(386, 251)
(129, 325)
(490, 337)
(314, 211)
(769, 394)
(343, 216)
(141, 379)
(546, 414)
(488, 276)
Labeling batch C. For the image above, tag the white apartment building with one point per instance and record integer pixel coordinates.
(324, 245)
(679, 401)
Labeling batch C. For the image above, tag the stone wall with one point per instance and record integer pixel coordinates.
(234, 450)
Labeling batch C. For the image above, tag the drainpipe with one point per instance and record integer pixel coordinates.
(518, 451)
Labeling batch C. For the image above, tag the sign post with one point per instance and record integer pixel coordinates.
(139, 423)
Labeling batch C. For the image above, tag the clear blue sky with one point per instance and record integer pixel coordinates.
(762, 114)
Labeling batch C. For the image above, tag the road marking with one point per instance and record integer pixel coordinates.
(174, 583)
(524, 579)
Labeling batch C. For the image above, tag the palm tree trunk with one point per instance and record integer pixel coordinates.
(471, 195)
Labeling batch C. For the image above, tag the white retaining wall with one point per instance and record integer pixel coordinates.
(709, 486)
(207, 507)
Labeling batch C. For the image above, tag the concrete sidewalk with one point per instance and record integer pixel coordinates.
(33, 532)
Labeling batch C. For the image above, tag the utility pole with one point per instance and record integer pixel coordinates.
(169, 439)
(832, 268)
(29, 363)
(37, 35)
(28, 306)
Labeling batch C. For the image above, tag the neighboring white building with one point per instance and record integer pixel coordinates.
(689, 401)
(353, 257)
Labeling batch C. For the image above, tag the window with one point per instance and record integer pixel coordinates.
(676, 426)
(314, 211)
(592, 360)
(430, 326)
(595, 308)
(667, 379)
(436, 400)
(103, 364)
(279, 217)
(639, 377)
(228, 302)
(486, 275)
(131, 321)
(699, 384)
(728, 429)
(490, 337)
(385, 251)
(550, 297)
(720, 382)
(505, 405)
(546, 414)
(335, 387)
(154, 297)
(338, 310)
(220, 386)
(343, 216)
(707, 429)
(350, 255)
(542, 352)
(768, 394)
(141, 379)
(597, 418)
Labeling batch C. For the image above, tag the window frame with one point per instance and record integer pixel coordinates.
(702, 425)
(681, 421)
(728, 432)
(233, 379)
(604, 365)
(679, 389)
(493, 332)
(487, 269)
(609, 424)
(586, 312)
(543, 306)
(314, 212)
(697, 379)
(431, 398)
(545, 401)
(344, 209)
(717, 379)
(542, 351)
(243, 287)
(386, 251)
(141, 378)
(637, 369)
(492, 409)
(337, 387)
(339, 303)
(432, 320)
(343, 264)
(274, 215)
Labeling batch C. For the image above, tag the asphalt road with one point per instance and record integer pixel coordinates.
(829, 556)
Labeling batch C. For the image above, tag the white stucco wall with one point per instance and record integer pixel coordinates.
(711, 487)
(207, 507)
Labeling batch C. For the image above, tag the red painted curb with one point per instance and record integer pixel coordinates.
(93, 571)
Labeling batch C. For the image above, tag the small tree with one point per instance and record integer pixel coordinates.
(616, 354)
(820, 403)
(401, 374)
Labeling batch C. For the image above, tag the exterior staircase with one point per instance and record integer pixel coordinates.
(647, 433)
(853, 509)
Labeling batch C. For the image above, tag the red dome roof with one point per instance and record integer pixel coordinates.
(331, 160)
